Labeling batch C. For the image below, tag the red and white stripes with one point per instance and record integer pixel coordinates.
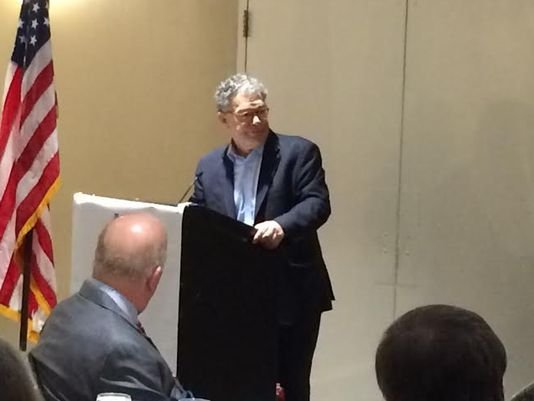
(29, 176)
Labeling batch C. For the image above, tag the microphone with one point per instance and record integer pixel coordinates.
(190, 187)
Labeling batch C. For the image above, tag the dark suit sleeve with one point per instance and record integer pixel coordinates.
(198, 190)
(312, 203)
(134, 371)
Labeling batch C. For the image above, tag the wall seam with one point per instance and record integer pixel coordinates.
(396, 267)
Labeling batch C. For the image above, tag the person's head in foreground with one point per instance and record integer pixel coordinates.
(440, 353)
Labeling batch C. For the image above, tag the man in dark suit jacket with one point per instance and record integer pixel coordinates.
(275, 183)
(93, 342)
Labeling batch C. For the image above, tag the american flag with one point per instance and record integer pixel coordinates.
(29, 167)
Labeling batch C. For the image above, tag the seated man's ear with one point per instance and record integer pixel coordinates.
(154, 277)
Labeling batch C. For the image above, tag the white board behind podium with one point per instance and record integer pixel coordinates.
(90, 214)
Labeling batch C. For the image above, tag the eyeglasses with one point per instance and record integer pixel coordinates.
(247, 116)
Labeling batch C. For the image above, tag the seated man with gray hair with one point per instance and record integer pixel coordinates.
(440, 353)
(93, 342)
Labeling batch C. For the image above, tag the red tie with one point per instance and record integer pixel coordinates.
(143, 332)
(141, 328)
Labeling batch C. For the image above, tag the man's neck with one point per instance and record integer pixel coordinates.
(119, 297)
(242, 150)
(126, 290)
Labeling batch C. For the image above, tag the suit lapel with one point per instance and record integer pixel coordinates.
(269, 165)
(94, 294)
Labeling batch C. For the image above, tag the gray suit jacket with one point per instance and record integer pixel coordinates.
(88, 346)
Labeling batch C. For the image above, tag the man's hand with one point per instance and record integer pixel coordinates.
(269, 234)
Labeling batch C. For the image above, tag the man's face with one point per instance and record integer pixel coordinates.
(247, 123)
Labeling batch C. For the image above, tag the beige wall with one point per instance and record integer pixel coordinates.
(135, 80)
(337, 79)
(467, 202)
(430, 173)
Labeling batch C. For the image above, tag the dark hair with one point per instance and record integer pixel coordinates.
(440, 353)
(16, 383)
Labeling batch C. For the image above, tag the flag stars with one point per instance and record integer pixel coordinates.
(22, 39)
(46, 21)
(20, 24)
(35, 24)
(33, 40)
(36, 7)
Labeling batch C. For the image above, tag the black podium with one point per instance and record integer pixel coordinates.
(227, 312)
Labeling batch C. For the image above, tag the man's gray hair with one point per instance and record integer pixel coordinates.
(112, 262)
(238, 83)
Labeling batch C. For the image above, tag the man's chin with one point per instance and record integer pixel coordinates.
(259, 134)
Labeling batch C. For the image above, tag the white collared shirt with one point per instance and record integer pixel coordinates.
(246, 176)
(124, 304)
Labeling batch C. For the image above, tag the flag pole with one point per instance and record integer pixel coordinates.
(26, 276)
